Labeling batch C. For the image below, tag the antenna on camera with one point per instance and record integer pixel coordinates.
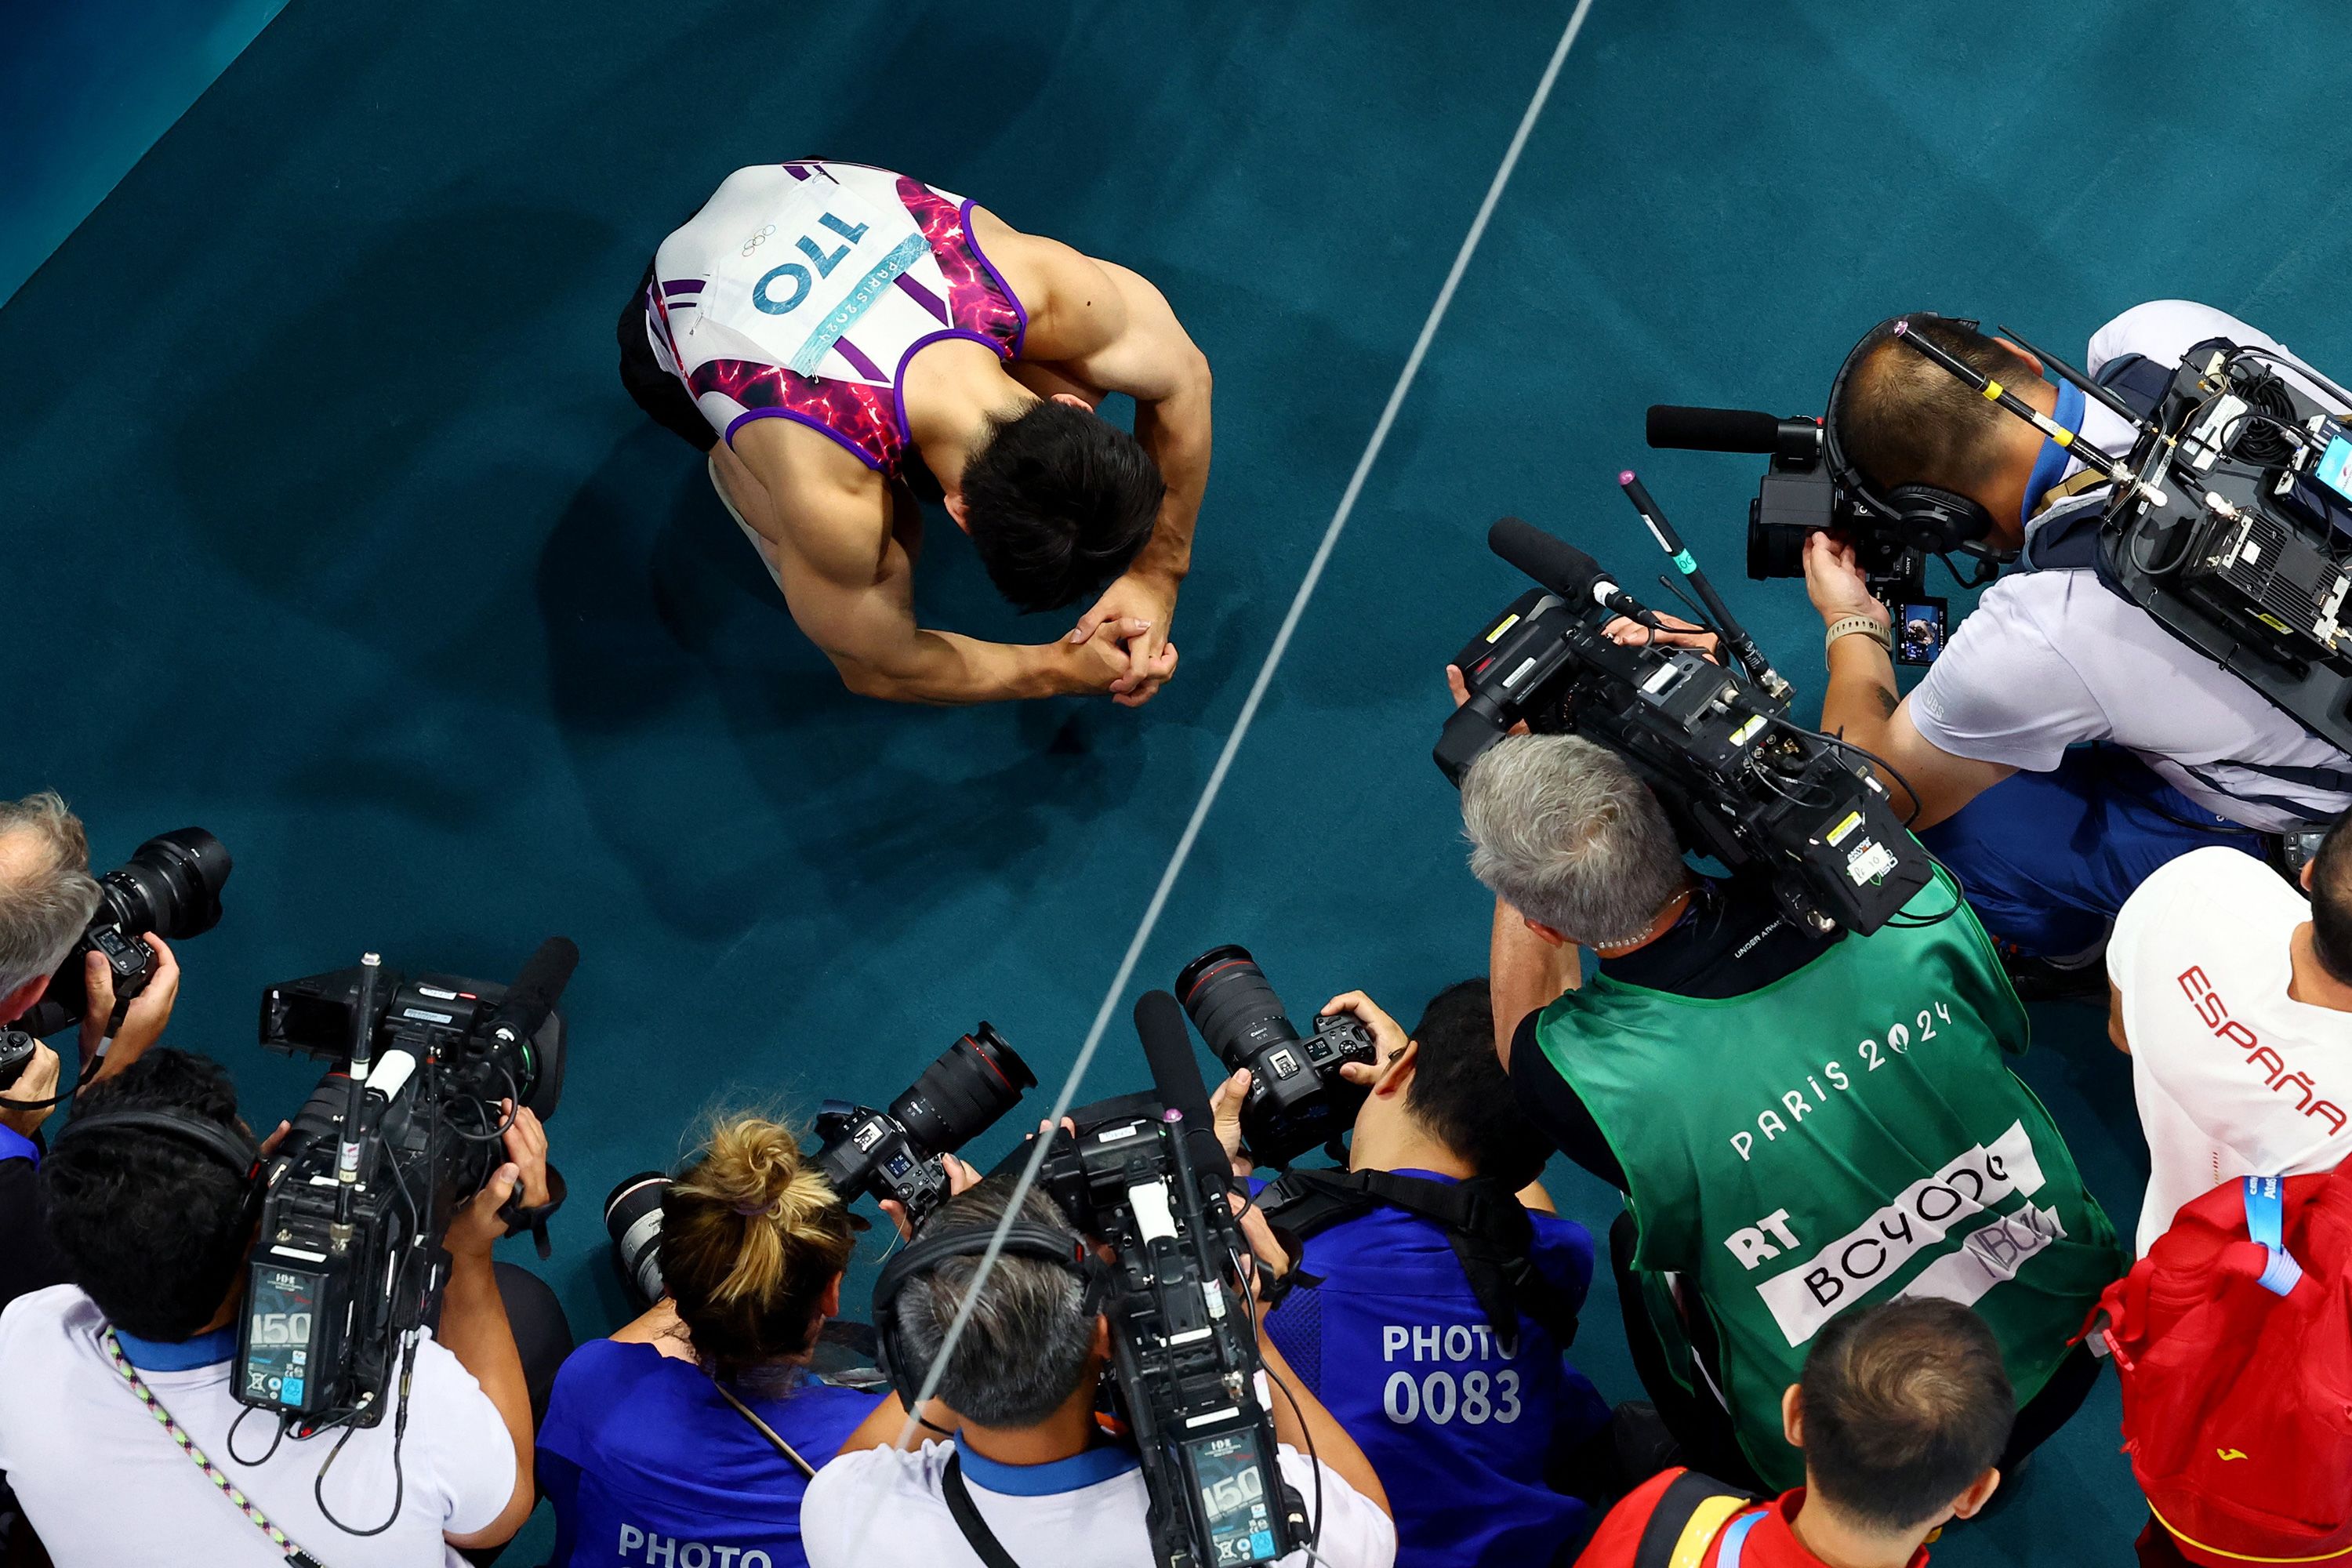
(1735, 636)
(1994, 392)
(347, 1155)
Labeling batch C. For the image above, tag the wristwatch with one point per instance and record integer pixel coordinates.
(1847, 626)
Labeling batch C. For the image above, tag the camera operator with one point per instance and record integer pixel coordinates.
(1040, 1472)
(118, 1382)
(46, 898)
(1406, 1348)
(1799, 1126)
(2049, 658)
(693, 1432)
(2233, 996)
(1901, 1413)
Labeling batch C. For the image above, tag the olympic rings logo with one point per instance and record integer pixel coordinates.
(759, 240)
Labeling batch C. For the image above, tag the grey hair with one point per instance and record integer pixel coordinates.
(45, 906)
(1562, 831)
(1026, 1346)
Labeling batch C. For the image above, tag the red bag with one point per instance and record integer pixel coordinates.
(2238, 1399)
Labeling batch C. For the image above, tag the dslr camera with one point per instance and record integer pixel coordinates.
(894, 1153)
(1796, 497)
(405, 1127)
(171, 886)
(1297, 1101)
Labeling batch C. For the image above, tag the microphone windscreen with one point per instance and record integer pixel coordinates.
(1713, 429)
(1176, 1076)
(1552, 561)
(534, 995)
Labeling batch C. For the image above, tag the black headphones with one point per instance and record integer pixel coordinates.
(1022, 1238)
(230, 1146)
(1924, 517)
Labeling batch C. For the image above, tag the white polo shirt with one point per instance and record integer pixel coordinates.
(2049, 658)
(2233, 1077)
(105, 1485)
(883, 1505)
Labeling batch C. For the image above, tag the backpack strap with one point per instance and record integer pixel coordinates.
(1691, 1512)
(2266, 1225)
(1488, 1229)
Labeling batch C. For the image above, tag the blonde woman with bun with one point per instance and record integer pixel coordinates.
(687, 1437)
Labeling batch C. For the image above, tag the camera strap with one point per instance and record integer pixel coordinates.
(775, 1439)
(245, 1505)
(966, 1514)
(1488, 1229)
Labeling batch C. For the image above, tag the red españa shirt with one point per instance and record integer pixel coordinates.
(1770, 1543)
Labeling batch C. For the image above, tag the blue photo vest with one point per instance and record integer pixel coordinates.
(649, 1467)
(1397, 1348)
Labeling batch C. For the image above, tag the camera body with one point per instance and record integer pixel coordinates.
(896, 1153)
(1738, 780)
(1797, 498)
(345, 1270)
(171, 886)
(16, 1049)
(1297, 1101)
(1185, 1355)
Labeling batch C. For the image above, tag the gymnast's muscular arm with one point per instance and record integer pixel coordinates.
(848, 579)
(1109, 329)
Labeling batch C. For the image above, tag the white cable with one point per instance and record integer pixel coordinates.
(1249, 712)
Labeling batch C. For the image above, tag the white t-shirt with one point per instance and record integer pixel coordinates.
(882, 1506)
(105, 1485)
(2049, 658)
(2233, 1077)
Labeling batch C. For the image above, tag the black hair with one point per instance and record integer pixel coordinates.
(151, 1226)
(1905, 1406)
(1461, 1093)
(1058, 501)
(1029, 1337)
(1903, 419)
(2331, 902)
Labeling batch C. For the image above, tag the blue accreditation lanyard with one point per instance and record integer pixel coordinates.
(1735, 1539)
(2266, 1224)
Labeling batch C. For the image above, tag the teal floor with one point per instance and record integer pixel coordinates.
(329, 528)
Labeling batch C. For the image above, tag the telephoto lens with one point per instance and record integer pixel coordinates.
(962, 1094)
(1298, 1101)
(634, 1216)
(171, 886)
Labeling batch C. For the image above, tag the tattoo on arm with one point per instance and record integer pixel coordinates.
(1887, 701)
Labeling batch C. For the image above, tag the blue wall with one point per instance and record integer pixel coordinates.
(86, 88)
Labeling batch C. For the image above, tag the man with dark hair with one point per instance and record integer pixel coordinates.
(836, 337)
(116, 1433)
(1439, 1307)
(2064, 744)
(1799, 1126)
(1901, 1413)
(2233, 996)
(1053, 1487)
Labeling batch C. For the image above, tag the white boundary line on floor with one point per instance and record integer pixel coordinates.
(1256, 694)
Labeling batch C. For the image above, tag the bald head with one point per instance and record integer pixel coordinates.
(47, 895)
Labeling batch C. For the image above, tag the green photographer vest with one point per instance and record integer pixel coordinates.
(1846, 1135)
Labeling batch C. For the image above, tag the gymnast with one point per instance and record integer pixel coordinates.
(840, 338)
